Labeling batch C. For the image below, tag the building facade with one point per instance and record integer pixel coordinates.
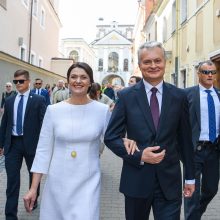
(31, 30)
(189, 32)
(113, 50)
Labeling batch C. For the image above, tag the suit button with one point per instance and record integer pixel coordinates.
(73, 154)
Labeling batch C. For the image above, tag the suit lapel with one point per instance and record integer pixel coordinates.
(142, 100)
(28, 106)
(165, 105)
(196, 102)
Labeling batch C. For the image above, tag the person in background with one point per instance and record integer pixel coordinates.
(109, 91)
(19, 134)
(7, 93)
(151, 177)
(41, 91)
(60, 93)
(204, 105)
(133, 80)
(47, 87)
(95, 93)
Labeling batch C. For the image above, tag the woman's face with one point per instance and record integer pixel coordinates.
(79, 81)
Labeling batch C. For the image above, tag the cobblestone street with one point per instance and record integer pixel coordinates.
(112, 202)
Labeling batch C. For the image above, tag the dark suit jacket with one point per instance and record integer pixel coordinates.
(132, 115)
(33, 119)
(193, 96)
(44, 93)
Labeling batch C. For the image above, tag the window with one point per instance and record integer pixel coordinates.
(33, 58)
(3, 3)
(164, 29)
(174, 17)
(42, 18)
(125, 65)
(35, 7)
(26, 3)
(74, 55)
(183, 10)
(23, 53)
(40, 61)
(113, 62)
(100, 67)
(183, 79)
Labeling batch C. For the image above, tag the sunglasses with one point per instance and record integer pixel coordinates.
(207, 72)
(38, 83)
(20, 81)
(7, 86)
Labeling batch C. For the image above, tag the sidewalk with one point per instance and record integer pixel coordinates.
(112, 202)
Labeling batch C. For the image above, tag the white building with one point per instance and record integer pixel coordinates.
(30, 30)
(113, 60)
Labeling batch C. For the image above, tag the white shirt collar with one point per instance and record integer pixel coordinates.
(202, 88)
(26, 94)
(148, 86)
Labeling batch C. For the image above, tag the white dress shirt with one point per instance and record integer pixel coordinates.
(204, 117)
(17, 99)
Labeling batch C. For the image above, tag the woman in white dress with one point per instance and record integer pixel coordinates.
(68, 152)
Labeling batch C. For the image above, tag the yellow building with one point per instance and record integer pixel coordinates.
(190, 33)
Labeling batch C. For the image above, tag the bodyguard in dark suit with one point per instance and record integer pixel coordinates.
(204, 117)
(155, 115)
(41, 91)
(19, 133)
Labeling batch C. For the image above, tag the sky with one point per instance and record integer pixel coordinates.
(80, 17)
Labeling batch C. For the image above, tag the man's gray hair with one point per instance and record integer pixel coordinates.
(207, 62)
(150, 45)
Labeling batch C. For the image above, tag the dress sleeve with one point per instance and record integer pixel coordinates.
(45, 145)
(106, 120)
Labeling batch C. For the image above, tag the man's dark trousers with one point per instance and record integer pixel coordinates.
(13, 163)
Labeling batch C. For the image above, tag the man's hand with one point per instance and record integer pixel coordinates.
(1, 151)
(1, 110)
(130, 146)
(149, 156)
(188, 190)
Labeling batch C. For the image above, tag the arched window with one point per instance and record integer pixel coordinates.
(113, 62)
(125, 65)
(74, 55)
(100, 67)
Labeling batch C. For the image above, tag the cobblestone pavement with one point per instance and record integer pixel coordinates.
(112, 202)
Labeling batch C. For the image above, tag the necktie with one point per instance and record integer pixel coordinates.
(19, 115)
(211, 114)
(154, 107)
(38, 91)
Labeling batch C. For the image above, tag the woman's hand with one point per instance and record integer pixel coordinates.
(29, 200)
(130, 146)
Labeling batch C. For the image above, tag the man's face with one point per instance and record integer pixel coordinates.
(60, 84)
(22, 84)
(207, 75)
(152, 65)
(38, 84)
(132, 81)
(8, 87)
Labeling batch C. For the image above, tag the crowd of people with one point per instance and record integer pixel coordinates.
(151, 124)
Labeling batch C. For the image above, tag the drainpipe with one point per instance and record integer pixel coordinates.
(30, 32)
(177, 43)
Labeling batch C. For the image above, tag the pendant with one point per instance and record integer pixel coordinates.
(73, 154)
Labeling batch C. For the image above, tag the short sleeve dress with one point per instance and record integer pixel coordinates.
(68, 152)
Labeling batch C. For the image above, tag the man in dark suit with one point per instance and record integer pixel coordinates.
(19, 133)
(155, 115)
(41, 91)
(204, 117)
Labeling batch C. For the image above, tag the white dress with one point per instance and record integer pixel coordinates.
(72, 187)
